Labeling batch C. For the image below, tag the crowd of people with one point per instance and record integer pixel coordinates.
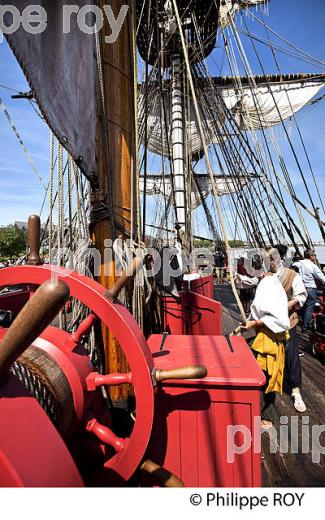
(283, 295)
(7, 263)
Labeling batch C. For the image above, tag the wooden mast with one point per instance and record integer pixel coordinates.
(116, 157)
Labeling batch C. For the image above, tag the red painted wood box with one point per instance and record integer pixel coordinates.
(193, 435)
(194, 314)
(203, 286)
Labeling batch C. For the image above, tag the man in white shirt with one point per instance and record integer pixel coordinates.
(269, 316)
(309, 273)
(296, 297)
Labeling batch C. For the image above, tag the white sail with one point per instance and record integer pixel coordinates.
(265, 106)
(253, 108)
(157, 185)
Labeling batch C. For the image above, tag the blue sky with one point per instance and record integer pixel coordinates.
(301, 23)
(21, 193)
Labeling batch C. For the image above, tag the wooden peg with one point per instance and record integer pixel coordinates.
(34, 234)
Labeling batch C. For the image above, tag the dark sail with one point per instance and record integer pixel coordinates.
(61, 71)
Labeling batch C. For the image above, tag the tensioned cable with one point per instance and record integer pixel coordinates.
(287, 41)
(256, 142)
(275, 144)
(10, 89)
(258, 150)
(229, 161)
(297, 126)
(261, 40)
(21, 142)
(291, 145)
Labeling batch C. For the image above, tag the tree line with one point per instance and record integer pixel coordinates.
(13, 242)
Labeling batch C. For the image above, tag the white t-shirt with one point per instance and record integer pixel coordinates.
(270, 305)
(309, 273)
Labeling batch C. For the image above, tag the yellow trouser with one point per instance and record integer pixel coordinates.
(270, 356)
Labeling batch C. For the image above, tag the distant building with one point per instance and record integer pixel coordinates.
(24, 225)
(21, 225)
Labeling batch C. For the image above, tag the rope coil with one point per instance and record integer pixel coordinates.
(37, 389)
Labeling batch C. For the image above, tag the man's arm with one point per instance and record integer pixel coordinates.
(299, 292)
(318, 274)
(245, 282)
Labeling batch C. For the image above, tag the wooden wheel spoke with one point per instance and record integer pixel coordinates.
(34, 317)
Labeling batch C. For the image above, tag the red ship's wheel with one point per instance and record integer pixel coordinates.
(127, 333)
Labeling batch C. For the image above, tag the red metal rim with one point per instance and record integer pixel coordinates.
(128, 334)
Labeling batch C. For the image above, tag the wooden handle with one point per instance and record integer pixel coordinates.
(129, 274)
(164, 477)
(34, 317)
(34, 234)
(192, 372)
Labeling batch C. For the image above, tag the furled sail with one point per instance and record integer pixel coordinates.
(61, 71)
(265, 105)
(158, 141)
(158, 185)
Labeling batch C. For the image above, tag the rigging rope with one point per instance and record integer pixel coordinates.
(50, 229)
(296, 123)
(292, 148)
(21, 142)
(274, 141)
